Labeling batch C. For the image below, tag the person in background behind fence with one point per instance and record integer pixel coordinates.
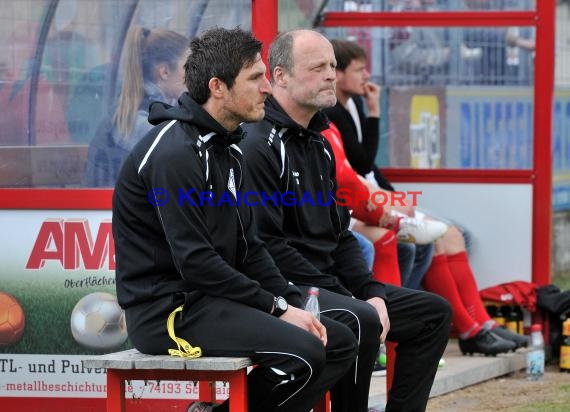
(153, 71)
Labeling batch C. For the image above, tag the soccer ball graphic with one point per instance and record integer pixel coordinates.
(12, 320)
(98, 322)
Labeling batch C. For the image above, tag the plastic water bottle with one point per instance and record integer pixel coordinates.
(312, 302)
(535, 357)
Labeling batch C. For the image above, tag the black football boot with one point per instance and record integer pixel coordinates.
(486, 343)
(519, 340)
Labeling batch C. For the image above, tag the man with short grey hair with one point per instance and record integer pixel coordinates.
(309, 238)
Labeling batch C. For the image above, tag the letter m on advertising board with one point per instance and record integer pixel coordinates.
(70, 241)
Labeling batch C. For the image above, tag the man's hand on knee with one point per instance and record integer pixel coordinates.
(306, 321)
(380, 307)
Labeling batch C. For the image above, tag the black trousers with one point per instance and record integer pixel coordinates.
(294, 370)
(419, 323)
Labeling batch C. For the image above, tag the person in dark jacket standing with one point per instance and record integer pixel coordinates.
(308, 234)
(185, 244)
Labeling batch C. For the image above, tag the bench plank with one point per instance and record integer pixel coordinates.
(117, 360)
(133, 359)
(218, 364)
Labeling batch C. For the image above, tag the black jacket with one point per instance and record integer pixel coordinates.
(189, 245)
(309, 241)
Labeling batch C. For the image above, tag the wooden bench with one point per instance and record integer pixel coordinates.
(131, 364)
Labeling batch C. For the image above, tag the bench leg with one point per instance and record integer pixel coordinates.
(207, 391)
(115, 391)
(238, 391)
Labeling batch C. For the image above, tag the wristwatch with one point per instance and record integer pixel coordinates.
(280, 306)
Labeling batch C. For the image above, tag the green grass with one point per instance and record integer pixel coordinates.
(560, 404)
(48, 310)
(562, 280)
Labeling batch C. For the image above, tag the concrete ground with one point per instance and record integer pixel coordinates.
(458, 372)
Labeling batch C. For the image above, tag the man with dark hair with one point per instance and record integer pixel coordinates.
(310, 240)
(177, 252)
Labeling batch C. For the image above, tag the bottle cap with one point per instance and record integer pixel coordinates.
(314, 291)
(537, 327)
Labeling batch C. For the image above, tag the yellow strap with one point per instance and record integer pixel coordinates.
(185, 350)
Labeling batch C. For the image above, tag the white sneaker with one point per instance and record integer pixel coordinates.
(201, 407)
(421, 232)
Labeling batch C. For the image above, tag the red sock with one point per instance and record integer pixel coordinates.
(438, 279)
(461, 271)
(385, 268)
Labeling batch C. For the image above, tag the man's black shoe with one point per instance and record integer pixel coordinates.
(519, 340)
(487, 343)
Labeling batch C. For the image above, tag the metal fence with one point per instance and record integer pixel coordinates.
(444, 56)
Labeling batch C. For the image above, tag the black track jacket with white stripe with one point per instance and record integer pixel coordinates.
(176, 223)
(310, 240)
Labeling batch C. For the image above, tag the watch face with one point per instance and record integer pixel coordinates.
(280, 306)
(281, 303)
